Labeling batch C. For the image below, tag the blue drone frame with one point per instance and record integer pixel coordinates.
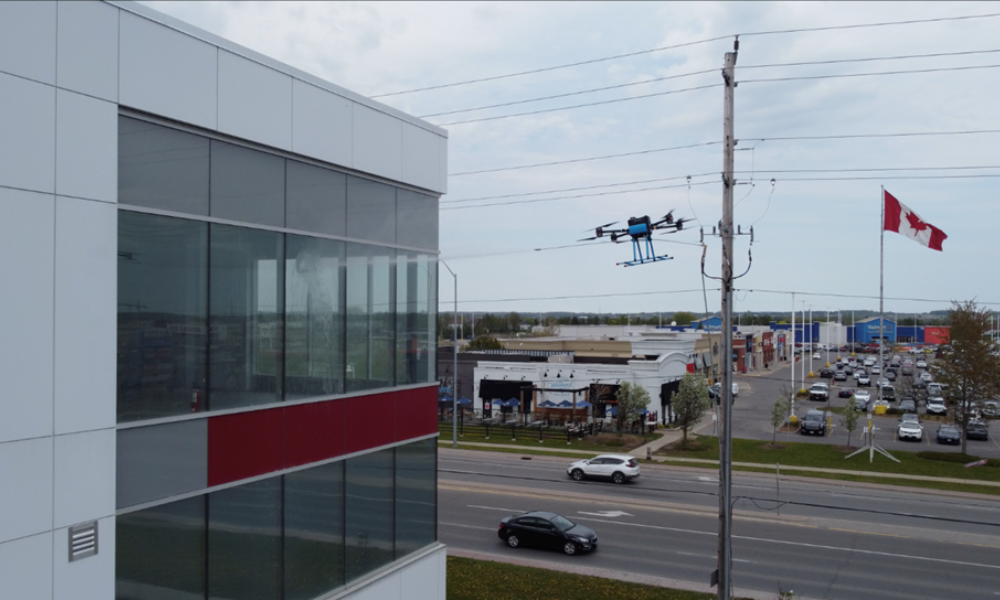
(640, 230)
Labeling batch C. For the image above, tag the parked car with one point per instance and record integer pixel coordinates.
(890, 375)
(845, 392)
(933, 389)
(826, 373)
(619, 468)
(936, 406)
(859, 372)
(861, 399)
(546, 530)
(976, 430)
(876, 370)
(921, 363)
(814, 423)
(865, 381)
(819, 391)
(908, 405)
(991, 409)
(888, 393)
(910, 429)
(948, 434)
(816, 356)
(926, 377)
(840, 376)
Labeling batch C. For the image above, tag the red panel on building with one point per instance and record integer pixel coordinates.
(244, 445)
(315, 432)
(937, 335)
(371, 421)
(767, 346)
(416, 413)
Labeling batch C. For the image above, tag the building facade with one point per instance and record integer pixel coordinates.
(219, 347)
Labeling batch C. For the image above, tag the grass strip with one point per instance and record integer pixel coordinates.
(470, 579)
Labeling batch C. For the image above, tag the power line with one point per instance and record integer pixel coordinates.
(864, 25)
(596, 194)
(867, 135)
(840, 75)
(892, 177)
(553, 68)
(586, 159)
(683, 45)
(578, 93)
(869, 59)
(576, 189)
(856, 296)
(588, 104)
(609, 295)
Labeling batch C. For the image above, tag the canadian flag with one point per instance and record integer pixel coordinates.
(901, 219)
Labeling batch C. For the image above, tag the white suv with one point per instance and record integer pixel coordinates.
(619, 468)
(936, 406)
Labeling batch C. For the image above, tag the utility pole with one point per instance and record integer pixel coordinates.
(724, 572)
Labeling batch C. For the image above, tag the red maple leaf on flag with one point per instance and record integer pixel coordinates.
(915, 223)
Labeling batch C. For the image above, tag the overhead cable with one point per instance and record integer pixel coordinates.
(576, 189)
(592, 195)
(868, 59)
(882, 73)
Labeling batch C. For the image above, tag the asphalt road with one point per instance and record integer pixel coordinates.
(821, 539)
(752, 414)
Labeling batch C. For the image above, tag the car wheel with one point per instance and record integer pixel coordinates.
(577, 474)
(569, 548)
(618, 478)
(513, 541)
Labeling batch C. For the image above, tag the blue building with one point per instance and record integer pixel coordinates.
(867, 330)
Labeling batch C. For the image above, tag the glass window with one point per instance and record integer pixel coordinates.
(314, 317)
(416, 220)
(246, 290)
(244, 542)
(369, 515)
(314, 531)
(162, 549)
(370, 317)
(162, 168)
(415, 318)
(416, 498)
(162, 309)
(247, 185)
(316, 199)
(371, 210)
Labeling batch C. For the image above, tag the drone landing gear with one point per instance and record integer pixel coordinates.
(638, 258)
(642, 261)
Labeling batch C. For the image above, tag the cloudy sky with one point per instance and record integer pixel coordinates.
(813, 201)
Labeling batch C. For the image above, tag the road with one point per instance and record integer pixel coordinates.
(821, 539)
(752, 415)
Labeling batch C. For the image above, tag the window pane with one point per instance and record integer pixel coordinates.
(370, 317)
(247, 337)
(414, 337)
(314, 531)
(161, 549)
(247, 185)
(316, 199)
(314, 317)
(162, 168)
(416, 220)
(369, 523)
(416, 501)
(162, 306)
(371, 210)
(244, 542)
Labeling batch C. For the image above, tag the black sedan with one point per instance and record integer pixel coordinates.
(977, 431)
(546, 530)
(948, 434)
(826, 373)
(845, 392)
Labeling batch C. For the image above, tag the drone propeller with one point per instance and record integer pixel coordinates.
(590, 239)
(599, 227)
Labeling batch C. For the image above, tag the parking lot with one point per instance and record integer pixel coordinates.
(752, 410)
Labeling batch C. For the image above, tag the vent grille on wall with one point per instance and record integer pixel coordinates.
(82, 541)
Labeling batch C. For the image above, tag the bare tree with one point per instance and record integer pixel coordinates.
(850, 418)
(778, 414)
(968, 364)
(690, 402)
(631, 400)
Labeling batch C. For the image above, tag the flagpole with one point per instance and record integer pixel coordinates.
(881, 283)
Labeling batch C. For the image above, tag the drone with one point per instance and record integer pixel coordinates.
(640, 228)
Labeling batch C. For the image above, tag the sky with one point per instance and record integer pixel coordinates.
(814, 204)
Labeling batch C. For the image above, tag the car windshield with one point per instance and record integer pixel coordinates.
(814, 417)
(562, 523)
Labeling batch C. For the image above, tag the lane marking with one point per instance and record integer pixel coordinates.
(606, 513)
(468, 526)
(510, 510)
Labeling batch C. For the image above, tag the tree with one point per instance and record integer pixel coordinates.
(683, 317)
(778, 414)
(485, 342)
(631, 400)
(690, 402)
(850, 419)
(967, 364)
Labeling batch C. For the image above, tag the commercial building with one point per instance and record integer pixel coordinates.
(218, 315)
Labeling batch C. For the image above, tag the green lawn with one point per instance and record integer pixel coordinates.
(829, 457)
(484, 580)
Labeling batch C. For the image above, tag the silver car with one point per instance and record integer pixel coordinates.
(619, 468)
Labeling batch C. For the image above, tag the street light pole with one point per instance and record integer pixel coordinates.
(454, 363)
